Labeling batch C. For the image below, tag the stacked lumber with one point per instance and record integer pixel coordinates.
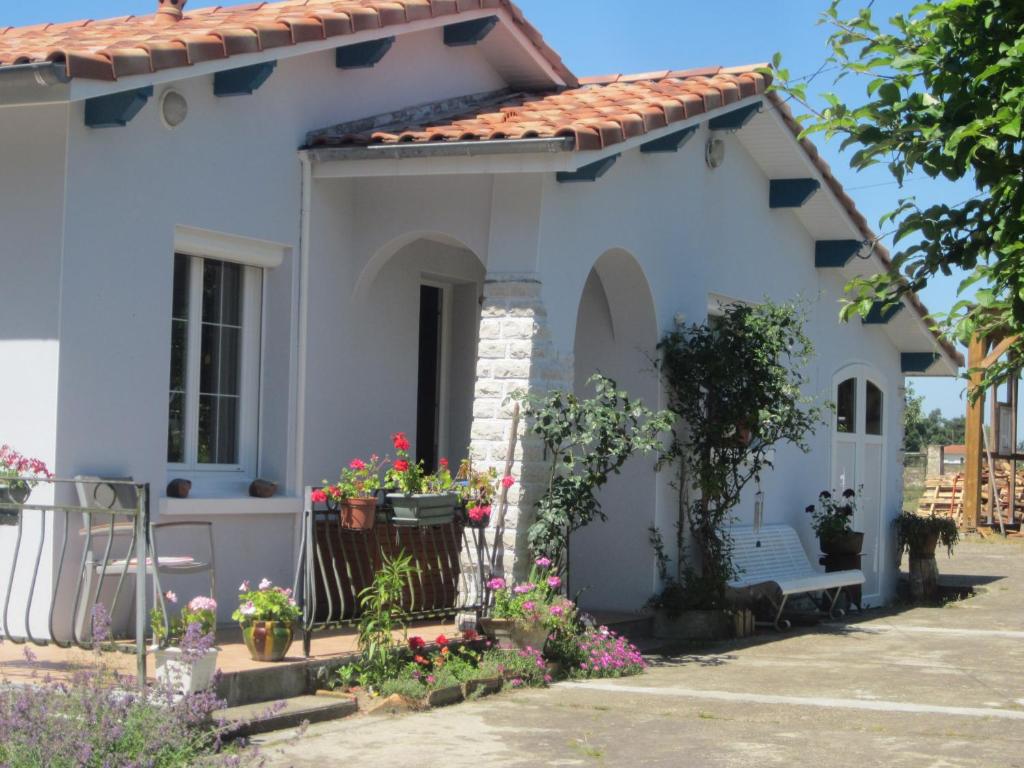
(944, 496)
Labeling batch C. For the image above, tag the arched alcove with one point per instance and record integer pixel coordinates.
(616, 336)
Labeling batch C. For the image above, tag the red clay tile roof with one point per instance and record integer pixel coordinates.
(599, 113)
(133, 45)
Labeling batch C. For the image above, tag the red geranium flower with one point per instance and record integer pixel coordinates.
(443, 463)
(508, 481)
(416, 642)
(400, 441)
(401, 466)
(318, 497)
(441, 640)
(470, 635)
(357, 464)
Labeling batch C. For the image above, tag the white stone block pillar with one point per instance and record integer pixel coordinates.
(515, 354)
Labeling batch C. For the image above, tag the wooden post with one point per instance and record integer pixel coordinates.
(975, 424)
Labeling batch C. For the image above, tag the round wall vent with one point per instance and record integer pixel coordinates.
(714, 153)
(173, 108)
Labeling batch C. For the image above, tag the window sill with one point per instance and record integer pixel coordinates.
(230, 506)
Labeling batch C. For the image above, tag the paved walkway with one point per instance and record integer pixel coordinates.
(936, 687)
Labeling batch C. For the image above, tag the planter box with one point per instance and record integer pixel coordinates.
(423, 509)
(484, 686)
(694, 625)
(509, 634)
(12, 493)
(185, 676)
(443, 697)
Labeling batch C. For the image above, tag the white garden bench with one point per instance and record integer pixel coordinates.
(774, 555)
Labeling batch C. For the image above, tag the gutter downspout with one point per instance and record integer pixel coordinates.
(38, 83)
(302, 332)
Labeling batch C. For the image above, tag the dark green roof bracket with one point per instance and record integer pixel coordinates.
(116, 109)
(881, 314)
(469, 32)
(363, 55)
(591, 172)
(833, 254)
(791, 193)
(733, 121)
(243, 81)
(917, 362)
(673, 142)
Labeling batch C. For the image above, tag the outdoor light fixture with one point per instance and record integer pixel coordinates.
(173, 108)
(714, 152)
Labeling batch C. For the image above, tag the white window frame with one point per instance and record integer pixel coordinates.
(249, 377)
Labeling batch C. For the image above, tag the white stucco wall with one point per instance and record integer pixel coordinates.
(32, 156)
(697, 231)
(232, 167)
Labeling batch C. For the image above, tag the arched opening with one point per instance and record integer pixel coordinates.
(616, 336)
(399, 350)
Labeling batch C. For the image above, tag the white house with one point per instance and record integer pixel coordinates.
(255, 241)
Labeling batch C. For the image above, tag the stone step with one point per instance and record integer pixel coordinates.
(314, 709)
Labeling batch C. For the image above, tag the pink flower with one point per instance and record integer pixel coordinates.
(557, 610)
(170, 597)
(495, 584)
(522, 589)
(508, 481)
(318, 497)
(266, 584)
(554, 582)
(357, 464)
(529, 605)
(202, 603)
(479, 514)
(543, 562)
(443, 463)
(248, 609)
(244, 586)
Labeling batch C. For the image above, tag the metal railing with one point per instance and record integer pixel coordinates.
(336, 563)
(21, 522)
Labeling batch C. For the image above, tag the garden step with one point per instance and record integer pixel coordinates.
(314, 709)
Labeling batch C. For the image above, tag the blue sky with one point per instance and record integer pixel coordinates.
(603, 36)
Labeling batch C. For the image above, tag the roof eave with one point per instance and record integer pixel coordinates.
(38, 83)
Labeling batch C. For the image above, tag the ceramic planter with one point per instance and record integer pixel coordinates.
(442, 697)
(423, 508)
(267, 640)
(12, 493)
(483, 686)
(507, 633)
(183, 676)
(848, 543)
(358, 514)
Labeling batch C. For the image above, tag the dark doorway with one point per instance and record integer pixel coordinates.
(428, 401)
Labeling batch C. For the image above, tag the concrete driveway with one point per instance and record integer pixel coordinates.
(937, 687)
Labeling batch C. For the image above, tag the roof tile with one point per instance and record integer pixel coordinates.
(243, 29)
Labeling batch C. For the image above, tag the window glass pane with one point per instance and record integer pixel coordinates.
(220, 362)
(873, 410)
(176, 429)
(846, 406)
(179, 360)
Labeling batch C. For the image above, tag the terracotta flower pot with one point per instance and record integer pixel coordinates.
(358, 514)
(848, 543)
(507, 633)
(267, 640)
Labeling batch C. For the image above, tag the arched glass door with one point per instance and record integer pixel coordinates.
(858, 460)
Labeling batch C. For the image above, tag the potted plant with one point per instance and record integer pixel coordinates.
(267, 616)
(17, 479)
(477, 491)
(419, 498)
(832, 521)
(919, 536)
(186, 658)
(524, 615)
(355, 494)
